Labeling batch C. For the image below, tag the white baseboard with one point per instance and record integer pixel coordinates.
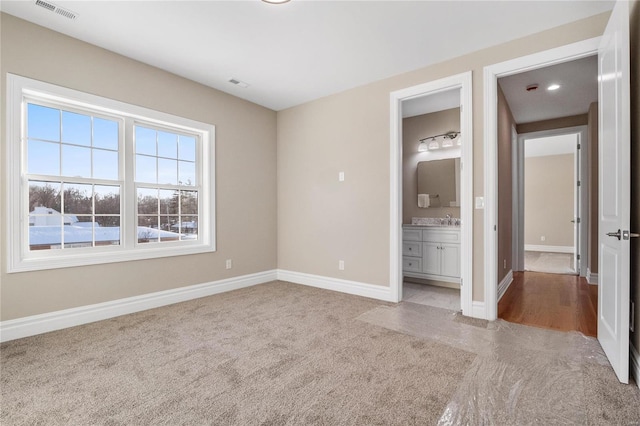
(635, 363)
(549, 249)
(478, 310)
(336, 284)
(504, 284)
(37, 324)
(591, 277)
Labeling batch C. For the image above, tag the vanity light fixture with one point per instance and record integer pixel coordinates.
(447, 141)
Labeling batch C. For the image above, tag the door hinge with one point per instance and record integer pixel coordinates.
(578, 183)
(579, 146)
(495, 228)
(578, 257)
(578, 220)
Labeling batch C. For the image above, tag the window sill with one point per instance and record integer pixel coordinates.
(103, 257)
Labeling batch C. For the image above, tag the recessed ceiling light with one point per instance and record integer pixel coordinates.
(553, 87)
(276, 1)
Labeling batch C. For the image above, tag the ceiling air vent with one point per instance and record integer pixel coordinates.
(238, 83)
(57, 9)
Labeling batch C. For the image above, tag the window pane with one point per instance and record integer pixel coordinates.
(187, 173)
(167, 171)
(45, 237)
(107, 199)
(147, 229)
(188, 202)
(171, 225)
(43, 158)
(146, 169)
(107, 230)
(167, 145)
(168, 202)
(76, 161)
(77, 200)
(43, 123)
(147, 201)
(145, 141)
(76, 128)
(187, 148)
(189, 227)
(105, 164)
(44, 199)
(105, 133)
(80, 234)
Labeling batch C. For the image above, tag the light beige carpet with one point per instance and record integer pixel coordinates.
(551, 263)
(273, 354)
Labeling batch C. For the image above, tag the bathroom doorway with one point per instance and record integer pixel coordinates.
(431, 180)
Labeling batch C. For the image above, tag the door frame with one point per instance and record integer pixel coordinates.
(463, 82)
(543, 59)
(581, 193)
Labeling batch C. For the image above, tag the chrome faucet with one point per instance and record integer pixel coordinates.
(449, 219)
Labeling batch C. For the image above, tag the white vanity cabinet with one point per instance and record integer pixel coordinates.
(431, 253)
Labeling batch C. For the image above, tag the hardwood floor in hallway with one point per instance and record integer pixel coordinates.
(554, 301)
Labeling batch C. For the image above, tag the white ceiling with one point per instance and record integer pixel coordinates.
(578, 82)
(552, 145)
(431, 103)
(302, 50)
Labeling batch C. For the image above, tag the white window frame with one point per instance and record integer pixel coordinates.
(21, 259)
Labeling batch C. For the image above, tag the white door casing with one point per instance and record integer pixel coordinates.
(463, 82)
(546, 58)
(614, 190)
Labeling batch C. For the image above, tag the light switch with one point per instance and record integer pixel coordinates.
(479, 202)
(341, 176)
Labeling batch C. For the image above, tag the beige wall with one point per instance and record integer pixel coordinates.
(635, 165)
(592, 136)
(414, 129)
(506, 123)
(548, 200)
(556, 123)
(245, 173)
(321, 220)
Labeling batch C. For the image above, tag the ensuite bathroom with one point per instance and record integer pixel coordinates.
(431, 237)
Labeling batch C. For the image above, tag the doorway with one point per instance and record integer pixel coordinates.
(435, 258)
(548, 111)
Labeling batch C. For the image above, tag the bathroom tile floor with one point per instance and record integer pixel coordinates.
(424, 294)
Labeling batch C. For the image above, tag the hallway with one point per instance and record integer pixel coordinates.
(553, 301)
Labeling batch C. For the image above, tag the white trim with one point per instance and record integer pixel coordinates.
(20, 259)
(337, 284)
(504, 284)
(43, 323)
(478, 310)
(491, 73)
(635, 363)
(549, 249)
(463, 82)
(591, 277)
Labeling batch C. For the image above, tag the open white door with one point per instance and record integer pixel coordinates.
(614, 191)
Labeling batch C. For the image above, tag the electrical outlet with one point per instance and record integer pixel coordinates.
(341, 265)
(229, 264)
(543, 238)
(341, 176)
(504, 263)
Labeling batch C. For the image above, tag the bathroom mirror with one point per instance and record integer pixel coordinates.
(441, 180)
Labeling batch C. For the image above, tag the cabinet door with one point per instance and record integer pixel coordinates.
(450, 257)
(431, 258)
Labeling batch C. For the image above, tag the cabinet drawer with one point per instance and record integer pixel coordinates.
(411, 248)
(411, 264)
(411, 235)
(441, 236)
